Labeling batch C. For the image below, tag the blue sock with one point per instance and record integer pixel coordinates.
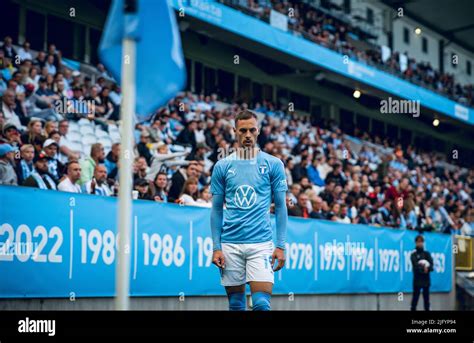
(236, 301)
(261, 301)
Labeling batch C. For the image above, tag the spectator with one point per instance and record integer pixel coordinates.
(364, 215)
(295, 191)
(49, 127)
(40, 177)
(198, 154)
(140, 168)
(56, 168)
(88, 165)
(160, 184)
(25, 166)
(143, 188)
(336, 175)
(343, 218)
(33, 133)
(73, 175)
(189, 194)
(300, 209)
(438, 217)
(205, 197)
(65, 153)
(179, 178)
(8, 108)
(52, 51)
(300, 169)
(401, 191)
(7, 171)
(142, 146)
(98, 185)
(318, 212)
(112, 157)
(384, 216)
(410, 220)
(40, 60)
(335, 212)
(163, 159)
(24, 52)
(187, 136)
(8, 49)
(11, 135)
(313, 173)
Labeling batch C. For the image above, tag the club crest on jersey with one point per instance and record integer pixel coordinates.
(263, 169)
(245, 197)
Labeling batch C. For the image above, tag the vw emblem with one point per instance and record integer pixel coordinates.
(245, 197)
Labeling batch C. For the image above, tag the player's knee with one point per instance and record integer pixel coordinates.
(261, 301)
(236, 301)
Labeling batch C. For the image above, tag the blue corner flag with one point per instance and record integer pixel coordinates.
(160, 67)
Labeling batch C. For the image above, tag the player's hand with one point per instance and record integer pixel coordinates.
(218, 258)
(278, 254)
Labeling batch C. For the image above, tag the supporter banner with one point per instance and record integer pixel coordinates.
(227, 18)
(55, 244)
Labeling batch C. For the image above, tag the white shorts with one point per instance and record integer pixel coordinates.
(247, 262)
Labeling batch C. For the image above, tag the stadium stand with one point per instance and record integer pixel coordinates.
(331, 32)
(52, 113)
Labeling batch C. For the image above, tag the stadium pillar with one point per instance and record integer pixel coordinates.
(124, 218)
(441, 56)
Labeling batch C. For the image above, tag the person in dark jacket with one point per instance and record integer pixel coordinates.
(187, 136)
(300, 209)
(422, 266)
(179, 178)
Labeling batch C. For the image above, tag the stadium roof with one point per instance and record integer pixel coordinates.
(452, 19)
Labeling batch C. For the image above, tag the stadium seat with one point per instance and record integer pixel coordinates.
(84, 121)
(115, 136)
(73, 126)
(101, 133)
(86, 150)
(75, 146)
(105, 141)
(89, 139)
(113, 127)
(74, 136)
(85, 129)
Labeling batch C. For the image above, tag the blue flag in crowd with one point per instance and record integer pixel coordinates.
(160, 67)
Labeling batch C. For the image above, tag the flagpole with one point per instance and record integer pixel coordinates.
(124, 218)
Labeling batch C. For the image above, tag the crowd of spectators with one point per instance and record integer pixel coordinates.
(313, 24)
(329, 176)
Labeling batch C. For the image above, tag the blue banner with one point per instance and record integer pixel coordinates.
(229, 19)
(55, 244)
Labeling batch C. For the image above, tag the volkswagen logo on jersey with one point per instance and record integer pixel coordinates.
(262, 169)
(245, 197)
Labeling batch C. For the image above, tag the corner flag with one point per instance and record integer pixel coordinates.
(141, 48)
(160, 68)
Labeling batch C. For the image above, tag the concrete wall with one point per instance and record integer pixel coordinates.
(439, 301)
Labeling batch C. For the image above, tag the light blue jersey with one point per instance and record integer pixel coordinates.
(247, 186)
